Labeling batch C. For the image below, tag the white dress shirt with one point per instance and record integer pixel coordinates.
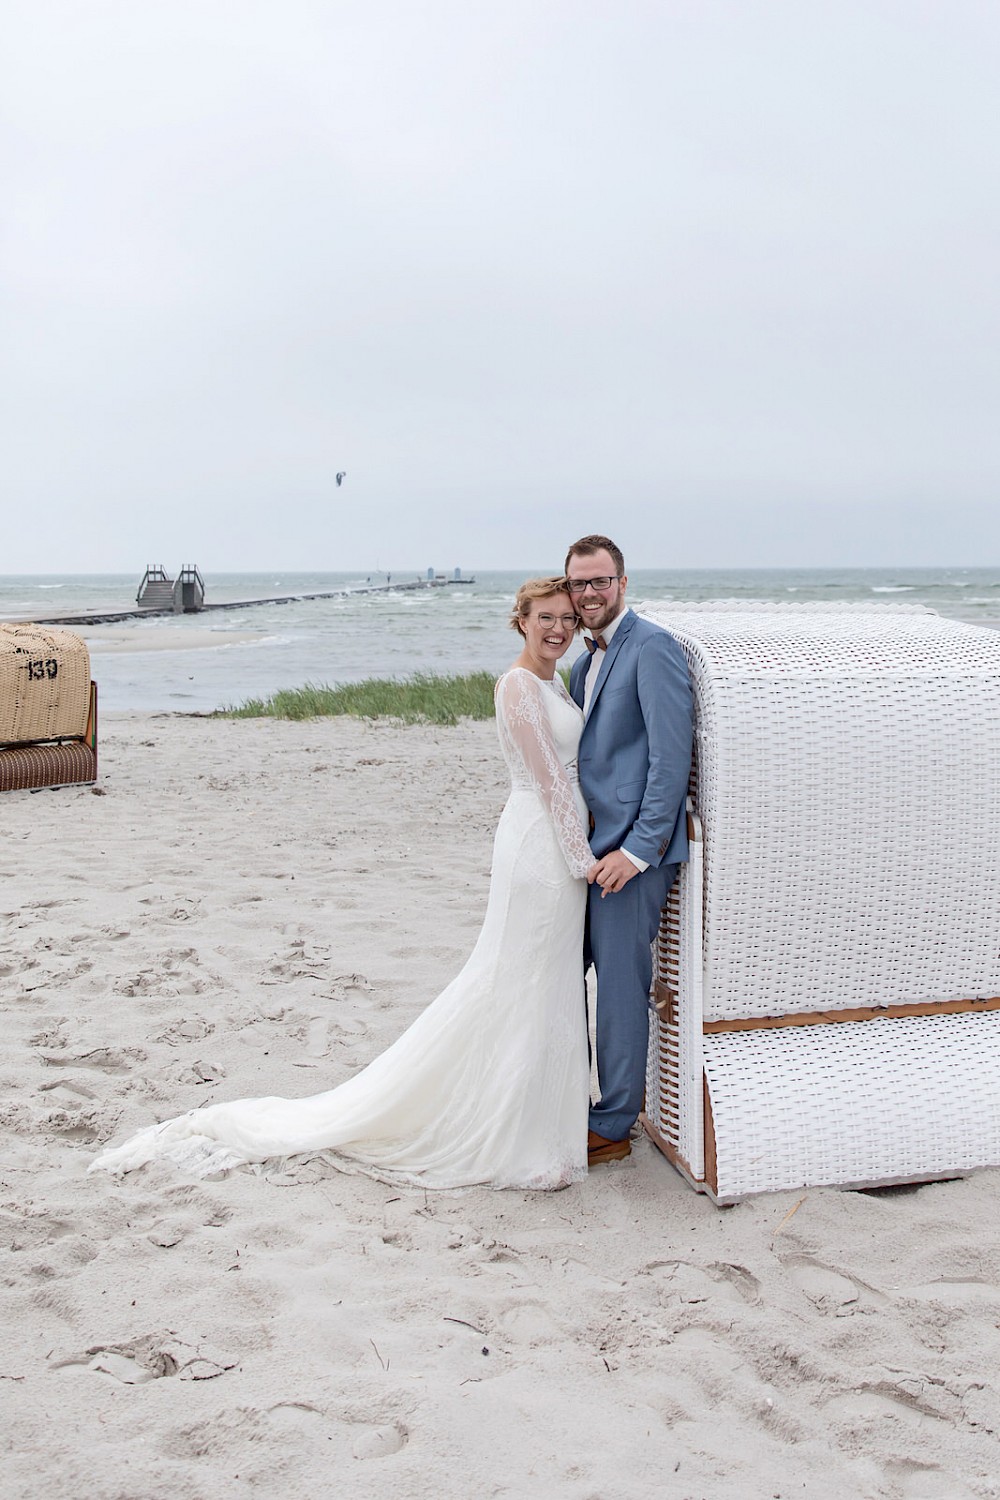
(597, 659)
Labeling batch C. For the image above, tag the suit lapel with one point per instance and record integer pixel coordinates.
(578, 678)
(617, 641)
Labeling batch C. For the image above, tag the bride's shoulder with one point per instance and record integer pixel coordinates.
(518, 691)
(521, 677)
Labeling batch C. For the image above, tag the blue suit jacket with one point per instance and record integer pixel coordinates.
(635, 750)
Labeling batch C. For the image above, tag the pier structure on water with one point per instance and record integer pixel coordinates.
(159, 594)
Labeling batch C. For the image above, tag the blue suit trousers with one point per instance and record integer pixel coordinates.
(619, 934)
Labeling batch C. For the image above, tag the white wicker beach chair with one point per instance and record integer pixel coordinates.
(827, 985)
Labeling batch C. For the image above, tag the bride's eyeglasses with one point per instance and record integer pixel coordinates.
(568, 622)
(577, 585)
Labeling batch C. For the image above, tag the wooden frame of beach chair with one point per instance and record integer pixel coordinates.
(827, 979)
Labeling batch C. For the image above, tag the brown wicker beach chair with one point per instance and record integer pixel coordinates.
(48, 709)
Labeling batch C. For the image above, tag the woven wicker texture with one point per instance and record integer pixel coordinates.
(854, 1102)
(44, 684)
(849, 789)
(23, 767)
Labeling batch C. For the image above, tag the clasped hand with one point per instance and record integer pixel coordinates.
(612, 872)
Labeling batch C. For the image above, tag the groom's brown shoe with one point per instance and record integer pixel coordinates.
(601, 1150)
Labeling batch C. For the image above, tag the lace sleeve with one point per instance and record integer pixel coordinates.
(527, 739)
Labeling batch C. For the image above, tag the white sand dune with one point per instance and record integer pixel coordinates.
(259, 907)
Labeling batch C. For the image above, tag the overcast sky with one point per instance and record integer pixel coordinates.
(720, 277)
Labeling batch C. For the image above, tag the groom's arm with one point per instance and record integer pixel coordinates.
(664, 690)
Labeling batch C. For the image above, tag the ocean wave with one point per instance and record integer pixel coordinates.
(893, 588)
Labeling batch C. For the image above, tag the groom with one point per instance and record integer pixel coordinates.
(635, 756)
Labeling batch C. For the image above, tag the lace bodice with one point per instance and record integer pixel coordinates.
(539, 727)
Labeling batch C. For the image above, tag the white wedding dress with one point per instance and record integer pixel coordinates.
(490, 1085)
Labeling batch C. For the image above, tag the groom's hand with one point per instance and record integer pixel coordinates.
(612, 872)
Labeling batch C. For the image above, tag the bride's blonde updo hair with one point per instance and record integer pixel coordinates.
(535, 588)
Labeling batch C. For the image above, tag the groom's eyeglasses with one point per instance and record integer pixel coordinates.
(577, 585)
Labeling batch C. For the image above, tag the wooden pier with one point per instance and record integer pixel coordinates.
(113, 616)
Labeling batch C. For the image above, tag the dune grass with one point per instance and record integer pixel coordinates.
(421, 699)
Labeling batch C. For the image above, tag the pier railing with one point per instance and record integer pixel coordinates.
(190, 588)
(156, 591)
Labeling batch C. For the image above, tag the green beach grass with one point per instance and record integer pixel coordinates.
(421, 699)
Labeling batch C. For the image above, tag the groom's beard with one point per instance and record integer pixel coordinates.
(601, 617)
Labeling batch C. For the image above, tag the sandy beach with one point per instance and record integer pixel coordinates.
(259, 907)
(107, 639)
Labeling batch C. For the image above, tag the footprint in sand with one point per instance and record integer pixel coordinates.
(166, 1233)
(175, 961)
(51, 1035)
(919, 1406)
(103, 1059)
(501, 1255)
(927, 1482)
(531, 1323)
(81, 1124)
(293, 1423)
(31, 1230)
(719, 1281)
(65, 1259)
(409, 954)
(828, 1290)
(199, 1072)
(341, 983)
(380, 1442)
(141, 984)
(152, 1356)
(348, 1029)
(953, 1291)
(744, 1281)
(317, 1037)
(205, 1211)
(58, 1302)
(62, 1086)
(188, 1029)
(183, 913)
(180, 986)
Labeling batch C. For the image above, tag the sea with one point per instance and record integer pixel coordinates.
(215, 659)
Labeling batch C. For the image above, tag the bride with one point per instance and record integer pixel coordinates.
(490, 1085)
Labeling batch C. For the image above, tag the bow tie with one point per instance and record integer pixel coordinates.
(595, 643)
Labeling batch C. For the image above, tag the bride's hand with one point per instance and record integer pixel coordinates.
(613, 871)
(592, 872)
